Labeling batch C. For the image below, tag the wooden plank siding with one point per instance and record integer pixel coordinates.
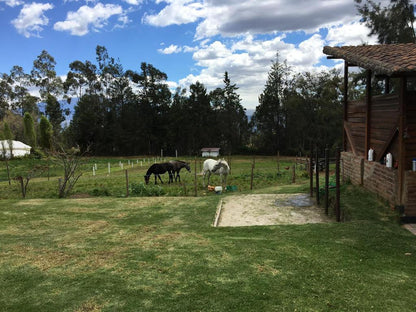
(384, 121)
(410, 133)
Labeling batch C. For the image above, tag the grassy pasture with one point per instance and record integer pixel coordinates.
(110, 253)
(45, 184)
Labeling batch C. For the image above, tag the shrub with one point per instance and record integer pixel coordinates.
(140, 189)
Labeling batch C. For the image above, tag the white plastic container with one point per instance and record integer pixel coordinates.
(389, 160)
(370, 154)
(414, 164)
(218, 189)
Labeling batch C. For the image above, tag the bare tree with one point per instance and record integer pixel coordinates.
(71, 160)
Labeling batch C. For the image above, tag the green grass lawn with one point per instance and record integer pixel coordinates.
(162, 254)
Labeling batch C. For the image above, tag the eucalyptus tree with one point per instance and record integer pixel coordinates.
(22, 100)
(50, 86)
(154, 98)
(6, 94)
(82, 78)
(393, 23)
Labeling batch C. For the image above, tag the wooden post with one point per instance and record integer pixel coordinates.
(278, 162)
(127, 184)
(195, 181)
(252, 173)
(368, 115)
(317, 176)
(293, 173)
(338, 193)
(402, 147)
(311, 172)
(326, 180)
(345, 100)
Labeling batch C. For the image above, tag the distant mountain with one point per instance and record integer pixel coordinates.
(249, 113)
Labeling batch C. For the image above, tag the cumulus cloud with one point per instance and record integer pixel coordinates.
(12, 3)
(176, 12)
(31, 19)
(234, 17)
(353, 33)
(79, 23)
(133, 2)
(172, 49)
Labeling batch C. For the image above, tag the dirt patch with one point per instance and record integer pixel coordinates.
(268, 209)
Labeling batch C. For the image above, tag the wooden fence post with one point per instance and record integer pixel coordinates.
(326, 180)
(293, 173)
(195, 181)
(317, 176)
(311, 172)
(337, 179)
(127, 184)
(252, 172)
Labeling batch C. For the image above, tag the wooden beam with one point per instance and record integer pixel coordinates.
(402, 147)
(345, 103)
(368, 114)
(348, 135)
(392, 136)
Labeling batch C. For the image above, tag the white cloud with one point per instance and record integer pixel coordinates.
(12, 3)
(31, 19)
(172, 49)
(236, 17)
(78, 23)
(133, 2)
(176, 12)
(353, 33)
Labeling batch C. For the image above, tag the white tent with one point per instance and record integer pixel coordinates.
(19, 149)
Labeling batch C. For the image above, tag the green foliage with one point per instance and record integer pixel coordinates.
(140, 189)
(393, 23)
(29, 129)
(45, 133)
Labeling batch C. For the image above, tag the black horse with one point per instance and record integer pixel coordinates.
(157, 170)
(177, 166)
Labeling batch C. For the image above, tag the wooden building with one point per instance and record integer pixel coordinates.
(385, 123)
(210, 151)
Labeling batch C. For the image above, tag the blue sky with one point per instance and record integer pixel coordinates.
(189, 40)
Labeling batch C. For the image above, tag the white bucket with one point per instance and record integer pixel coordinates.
(218, 189)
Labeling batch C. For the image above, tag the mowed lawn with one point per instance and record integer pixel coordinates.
(162, 254)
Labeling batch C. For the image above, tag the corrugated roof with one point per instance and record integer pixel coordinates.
(387, 59)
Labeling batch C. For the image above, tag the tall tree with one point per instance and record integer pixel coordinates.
(45, 133)
(22, 98)
(6, 94)
(232, 123)
(44, 75)
(29, 129)
(200, 118)
(55, 113)
(393, 23)
(269, 117)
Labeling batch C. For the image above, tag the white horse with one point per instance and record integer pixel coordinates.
(218, 167)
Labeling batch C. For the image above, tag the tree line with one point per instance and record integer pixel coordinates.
(128, 112)
(132, 112)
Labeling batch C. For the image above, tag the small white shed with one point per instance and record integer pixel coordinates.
(19, 149)
(210, 151)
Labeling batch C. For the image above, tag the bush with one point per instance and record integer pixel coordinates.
(140, 189)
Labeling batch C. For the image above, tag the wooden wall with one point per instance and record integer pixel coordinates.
(410, 133)
(355, 127)
(383, 126)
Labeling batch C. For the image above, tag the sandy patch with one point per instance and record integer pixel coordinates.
(268, 209)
